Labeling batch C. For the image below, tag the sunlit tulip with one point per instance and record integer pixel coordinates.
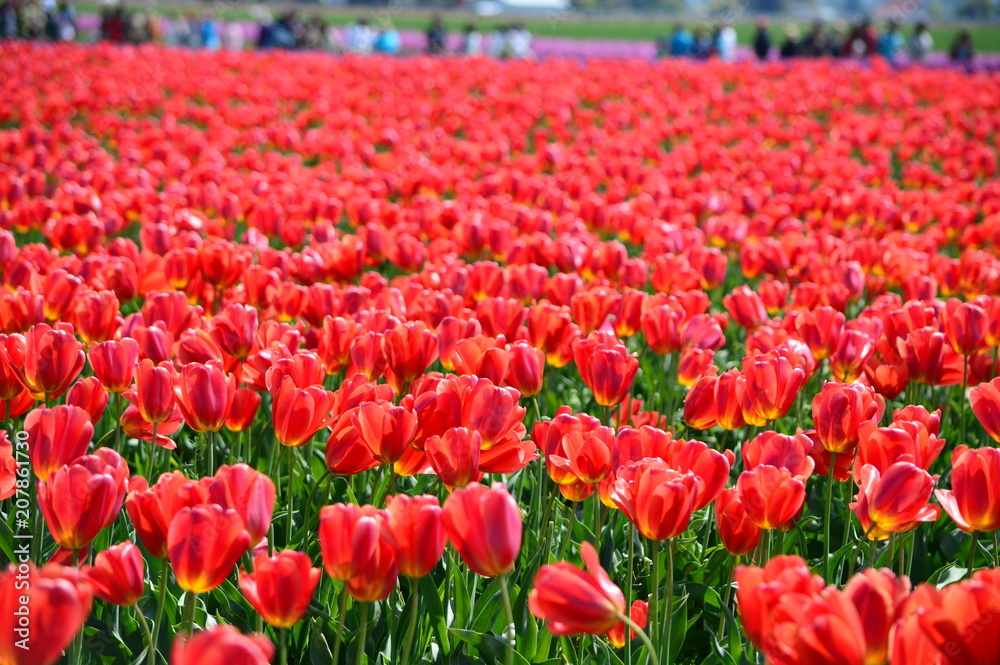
(759, 591)
(387, 430)
(358, 551)
(298, 413)
(221, 645)
(154, 392)
(89, 395)
(607, 368)
(118, 574)
(151, 509)
(56, 437)
(454, 456)
(280, 587)
(784, 451)
(771, 496)
(772, 383)
(58, 600)
(82, 498)
(838, 411)
(234, 328)
(410, 348)
(484, 525)
(247, 491)
(526, 370)
(245, 405)
(973, 502)
(114, 363)
(203, 545)
(746, 308)
(738, 533)
(205, 396)
(575, 601)
(45, 359)
(639, 614)
(965, 325)
(894, 501)
(985, 402)
(414, 525)
(657, 499)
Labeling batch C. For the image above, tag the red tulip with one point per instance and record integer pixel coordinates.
(152, 509)
(894, 501)
(746, 308)
(840, 409)
(58, 603)
(700, 408)
(56, 437)
(221, 645)
(606, 367)
(114, 363)
(639, 614)
(205, 396)
(657, 499)
(247, 491)
(738, 533)
(526, 370)
(203, 545)
(575, 601)
(973, 503)
(234, 328)
(45, 360)
(414, 525)
(386, 430)
(82, 498)
(771, 496)
(784, 451)
(985, 402)
(484, 524)
(965, 326)
(410, 348)
(298, 413)
(454, 456)
(89, 395)
(154, 392)
(772, 383)
(820, 329)
(280, 587)
(245, 405)
(97, 316)
(357, 550)
(118, 574)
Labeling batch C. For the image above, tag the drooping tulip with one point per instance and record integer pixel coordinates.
(575, 601)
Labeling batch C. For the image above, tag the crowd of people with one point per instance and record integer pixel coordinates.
(56, 20)
(832, 41)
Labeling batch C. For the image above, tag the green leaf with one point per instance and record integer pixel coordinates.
(489, 607)
(319, 650)
(432, 603)
(7, 540)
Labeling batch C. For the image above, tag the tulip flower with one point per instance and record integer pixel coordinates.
(58, 600)
(985, 402)
(280, 587)
(114, 363)
(410, 348)
(760, 590)
(965, 325)
(586, 458)
(205, 396)
(152, 509)
(639, 614)
(414, 525)
(771, 496)
(746, 308)
(838, 411)
(606, 367)
(298, 413)
(575, 601)
(973, 502)
(700, 408)
(484, 525)
(247, 491)
(526, 370)
(738, 533)
(45, 360)
(118, 574)
(203, 545)
(8, 467)
(245, 405)
(820, 329)
(56, 437)
(894, 501)
(96, 314)
(221, 645)
(661, 326)
(89, 395)
(234, 328)
(790, 452)
(386, 430)
(772, 383)
(154, 392)
(358, 551)
(454, 456)
(657, 499)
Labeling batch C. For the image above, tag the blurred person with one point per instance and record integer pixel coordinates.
(681, 42)
(8, 20)
(33, 20)
(499, 47)
(233, 37)
(472, 42)
(314, 34)
(816, 44)
(703, 47)
(520, 42)
(437, 35)
(265, 21)
(835, 39)
(921, 43)
(137, 28)
(208, 32)
(862, 41)
(792, 46)
(762, 39)
(961, 49)
(388, 40)
(360, 38)
(283, 34)
(891, 42)
(725, 42)
(333, 40)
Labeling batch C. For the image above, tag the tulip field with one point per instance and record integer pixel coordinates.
(312, 360)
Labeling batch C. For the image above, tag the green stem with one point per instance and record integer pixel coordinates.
(359, 652)
(283, 646)
(668, 624)
(569, 532)
(598, 518)
(972, 553)
(996, 553)
(628, 588)
(726, 597)
(151, 653)
(963, 400)
(289, 497)
(152, 456)
(189, 600)
(826, 517)
(654, 594)
(509, 615)
(342, 611)
(653, 659)
(160, 602)
(411, 626)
